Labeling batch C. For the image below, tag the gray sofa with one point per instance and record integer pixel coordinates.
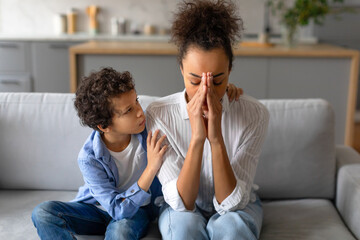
(310, 187)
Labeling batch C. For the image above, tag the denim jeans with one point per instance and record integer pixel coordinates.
(242, 224)
(64, 220)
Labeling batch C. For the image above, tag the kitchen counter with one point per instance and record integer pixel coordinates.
(164, 48)
(279, 66)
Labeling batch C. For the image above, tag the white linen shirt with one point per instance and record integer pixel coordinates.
(244, 125)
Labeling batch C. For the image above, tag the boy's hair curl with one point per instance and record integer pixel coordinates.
(206, 24)
(93, 100)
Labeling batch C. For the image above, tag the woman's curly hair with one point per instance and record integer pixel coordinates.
(93, 100)
(206, 24)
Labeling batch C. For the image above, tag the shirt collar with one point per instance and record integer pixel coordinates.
(183, 111)
(183, 103)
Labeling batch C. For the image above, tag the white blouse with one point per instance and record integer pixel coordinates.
(244, 126)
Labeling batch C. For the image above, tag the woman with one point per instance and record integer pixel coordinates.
(208, 170)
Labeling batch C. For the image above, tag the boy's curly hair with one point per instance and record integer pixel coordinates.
(95, 92)
(206, 24)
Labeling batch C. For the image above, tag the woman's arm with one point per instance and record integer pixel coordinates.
(189, 178)
(224, 178)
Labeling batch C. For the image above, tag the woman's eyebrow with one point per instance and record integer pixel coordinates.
(197, 76)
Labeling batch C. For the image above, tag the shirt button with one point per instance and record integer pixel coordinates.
(132, 191)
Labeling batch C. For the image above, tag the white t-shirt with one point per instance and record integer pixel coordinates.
(131, 162)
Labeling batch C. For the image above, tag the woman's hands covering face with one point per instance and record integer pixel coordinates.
(205, 110)
(195, 109)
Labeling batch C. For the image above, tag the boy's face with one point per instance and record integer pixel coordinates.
(128, 116)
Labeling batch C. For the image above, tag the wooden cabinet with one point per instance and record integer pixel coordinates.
(51, 66)
(15, 67)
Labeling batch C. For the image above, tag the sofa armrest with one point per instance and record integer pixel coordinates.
(348, 187)
(346, 155)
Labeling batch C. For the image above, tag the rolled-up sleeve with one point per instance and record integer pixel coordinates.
(170, 169)
(244, 164)
(118, 204)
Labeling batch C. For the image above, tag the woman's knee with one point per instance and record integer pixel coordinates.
(231, 225)
(176, 225)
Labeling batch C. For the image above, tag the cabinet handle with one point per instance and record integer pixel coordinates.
(8, 45)
(59, 46)
(10, 82)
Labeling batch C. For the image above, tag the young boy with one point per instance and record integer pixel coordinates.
(120, 185)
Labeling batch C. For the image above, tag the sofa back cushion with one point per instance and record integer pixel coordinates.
(40, 138)
(298, 155)
(41, 135)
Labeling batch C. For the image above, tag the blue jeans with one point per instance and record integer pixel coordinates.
(64, 220)
(242, 224)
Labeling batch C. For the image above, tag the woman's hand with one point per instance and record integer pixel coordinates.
(155, 151)
(214, 114)
(195, 109)
(233, 92)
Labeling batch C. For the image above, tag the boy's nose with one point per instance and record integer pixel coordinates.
(140, 112)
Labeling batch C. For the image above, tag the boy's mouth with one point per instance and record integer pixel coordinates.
(142, 123)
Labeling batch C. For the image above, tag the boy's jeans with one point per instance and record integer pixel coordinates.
(60, 220)
(242, 224)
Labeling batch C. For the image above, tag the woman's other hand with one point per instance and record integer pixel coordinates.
(195, 108)
(214, 113)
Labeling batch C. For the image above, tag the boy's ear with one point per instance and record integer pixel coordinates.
(103, 129)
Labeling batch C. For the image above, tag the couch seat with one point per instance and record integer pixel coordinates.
(306, 219)
(15, 214)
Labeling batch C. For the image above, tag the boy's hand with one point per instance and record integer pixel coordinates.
(233, 92)
(155, 151)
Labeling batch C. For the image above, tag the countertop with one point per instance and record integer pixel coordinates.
(164, 48)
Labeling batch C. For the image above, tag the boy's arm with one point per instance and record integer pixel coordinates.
(155, 153)
(118, 204)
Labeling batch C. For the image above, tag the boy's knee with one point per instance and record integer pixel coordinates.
(120, 230)
(42, 211)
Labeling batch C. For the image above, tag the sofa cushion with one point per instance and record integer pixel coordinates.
(298, 155)
(40, 139)
(310, 219)
(15, 214)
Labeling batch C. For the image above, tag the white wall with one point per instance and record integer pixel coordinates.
(36, 16)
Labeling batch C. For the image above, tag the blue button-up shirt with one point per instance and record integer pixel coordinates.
(101, 177)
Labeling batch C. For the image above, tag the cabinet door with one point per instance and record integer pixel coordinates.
(313, 78)
(250, 73)
(14, 56)
(51, 66)
(153, 75)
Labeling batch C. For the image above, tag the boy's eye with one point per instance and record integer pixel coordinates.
(137, 100)
(129, 110)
